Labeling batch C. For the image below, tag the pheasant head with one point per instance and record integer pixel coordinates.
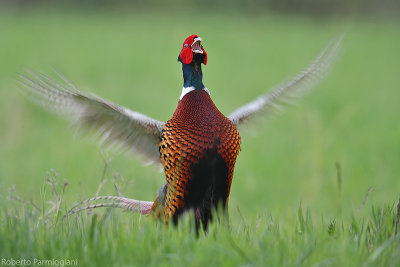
(193, 51)
(191, 56)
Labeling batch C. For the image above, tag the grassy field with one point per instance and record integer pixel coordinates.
(286, 204)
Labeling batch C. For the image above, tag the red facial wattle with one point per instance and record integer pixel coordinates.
(192, 45)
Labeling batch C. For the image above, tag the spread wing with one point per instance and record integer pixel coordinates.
(290, 90)
(113, 125)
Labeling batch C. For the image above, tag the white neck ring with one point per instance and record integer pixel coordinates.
(186, 90)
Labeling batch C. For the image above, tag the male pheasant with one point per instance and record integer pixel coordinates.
(197, 147)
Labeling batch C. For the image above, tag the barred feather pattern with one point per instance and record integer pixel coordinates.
(196, 128)
(127, 204)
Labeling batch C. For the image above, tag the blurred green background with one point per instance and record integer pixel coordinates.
(127, 53)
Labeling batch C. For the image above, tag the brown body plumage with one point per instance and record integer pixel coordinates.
(198, 148)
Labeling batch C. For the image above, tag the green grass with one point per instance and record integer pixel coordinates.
(130, 58)
(115, 239)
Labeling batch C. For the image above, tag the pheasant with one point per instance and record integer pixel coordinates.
(197, 147)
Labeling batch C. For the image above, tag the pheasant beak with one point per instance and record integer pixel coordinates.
(196, 46)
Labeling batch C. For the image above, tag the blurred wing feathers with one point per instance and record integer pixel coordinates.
(292, 89)
(112, 124)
